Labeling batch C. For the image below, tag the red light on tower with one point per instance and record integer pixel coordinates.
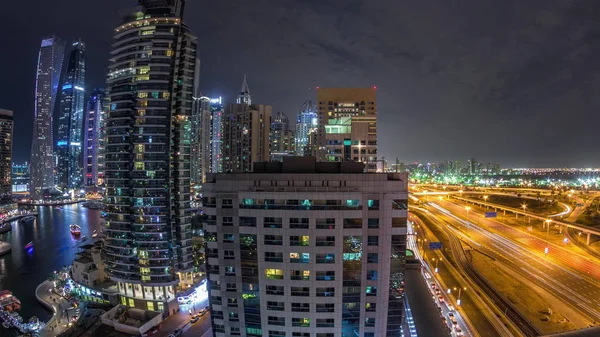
(374, 87)
(317, 88)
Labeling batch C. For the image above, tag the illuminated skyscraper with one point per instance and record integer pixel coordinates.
(348, 125)
(216, 131)
(49, 66)
(69, 161)
(151, 76)
(93, 156)
(6, 139)
(307, 125)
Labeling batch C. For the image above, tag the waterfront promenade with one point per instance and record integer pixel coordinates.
(59, 321)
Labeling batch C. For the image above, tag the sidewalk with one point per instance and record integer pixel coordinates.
(57, 304)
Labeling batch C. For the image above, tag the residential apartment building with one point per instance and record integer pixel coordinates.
(245, 140)
(348, 125)
(306, 248)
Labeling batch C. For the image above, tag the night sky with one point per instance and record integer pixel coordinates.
(511, 81)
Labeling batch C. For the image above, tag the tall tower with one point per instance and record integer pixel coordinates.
(69, 172)
(348, 125)
(244, 95)
(93, 156)
(6, 138)
(148, 244)
(308, 121)
(50, 61)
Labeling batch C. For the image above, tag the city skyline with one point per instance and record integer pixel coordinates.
(452, 111)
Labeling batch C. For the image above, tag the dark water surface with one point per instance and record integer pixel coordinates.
(22, 271)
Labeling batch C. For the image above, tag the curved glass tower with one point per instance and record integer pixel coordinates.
(69, 171)
(147, 155)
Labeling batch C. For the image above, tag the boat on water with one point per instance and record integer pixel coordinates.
(75, 230)
(93, 204)
(26, 219)
(29, 245)
(58, 207)
(10, 303)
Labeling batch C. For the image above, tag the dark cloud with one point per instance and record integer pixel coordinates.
(510, 81)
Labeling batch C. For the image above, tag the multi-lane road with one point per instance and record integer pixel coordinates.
(569, 277)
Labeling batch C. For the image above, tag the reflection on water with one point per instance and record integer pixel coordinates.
(22, 271)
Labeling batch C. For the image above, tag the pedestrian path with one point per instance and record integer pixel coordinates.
(60, 307)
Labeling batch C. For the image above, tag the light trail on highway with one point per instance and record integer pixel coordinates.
(524, 255)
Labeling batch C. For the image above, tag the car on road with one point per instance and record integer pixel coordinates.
(440, 298)
(203, 312)
(452, 319)
(458, 331)
(178, 332)
(194, 319)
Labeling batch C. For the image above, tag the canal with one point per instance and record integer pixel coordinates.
(22, 271)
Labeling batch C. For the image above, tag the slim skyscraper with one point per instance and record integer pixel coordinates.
(216, 131)
(201, 149)
(49, 67)
(6, 139)
(93, 156)
(307, 124)
(148, 244)
(348, 125)
(69, 172)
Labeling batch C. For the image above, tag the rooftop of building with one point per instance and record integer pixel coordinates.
(295, 164)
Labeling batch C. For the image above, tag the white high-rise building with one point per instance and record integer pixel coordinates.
(305, 248)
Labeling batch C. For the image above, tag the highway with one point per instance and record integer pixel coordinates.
(474, 316)
(566, 276)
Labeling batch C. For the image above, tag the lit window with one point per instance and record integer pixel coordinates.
(166, 95)
(274, 274)
(142, 94)
(169, 53)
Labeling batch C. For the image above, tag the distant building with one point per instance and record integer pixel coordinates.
(306, 127)
(20, 177)
(282, 138)
(49, 67)
(68, 150)
(6, 141)
(472, 166)
(305, 248)
(93, 142)
(216, 133)
(348, 125)
(245, 139)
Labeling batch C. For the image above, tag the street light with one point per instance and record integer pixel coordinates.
(467, 208)
(459, 293)
(548, 221)
(437, 261)
(485, 197)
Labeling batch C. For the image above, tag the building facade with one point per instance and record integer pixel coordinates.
(307, 125)
(49, 67)
(148, 243)
(348, 125)
(216, 133)
(68, 154)
(93, 142)
(301, 248)
(246, 130)
(244, 94)
(282, 138)
(6, 141)
(20, 177)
